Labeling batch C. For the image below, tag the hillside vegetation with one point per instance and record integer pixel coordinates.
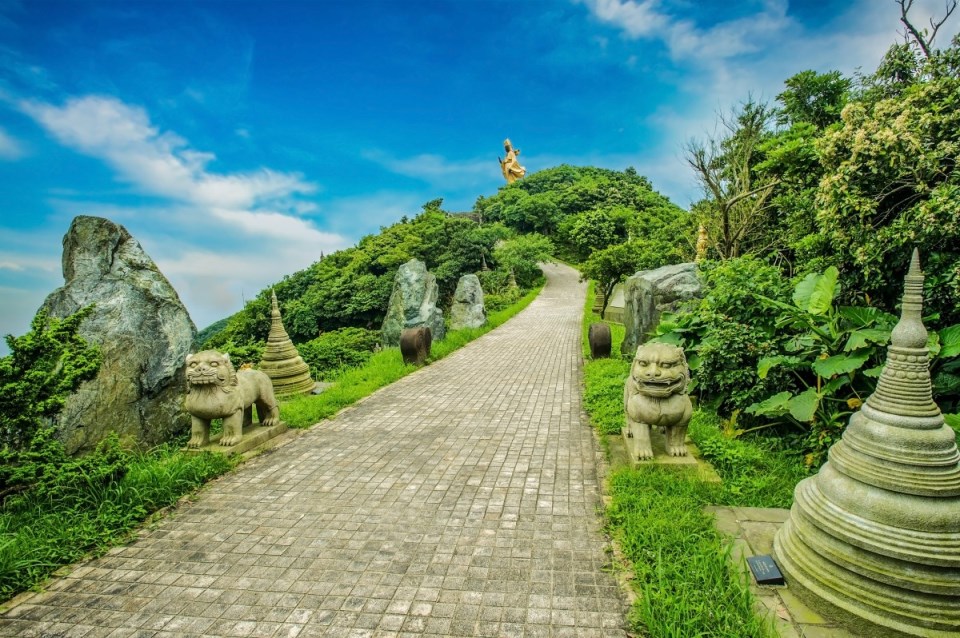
(333, 309)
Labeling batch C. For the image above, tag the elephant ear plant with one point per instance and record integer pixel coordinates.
(835, 354)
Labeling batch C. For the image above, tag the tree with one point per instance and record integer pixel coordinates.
(522, 255)
(921, 37)
(613, 264)
(891, 182)
(737, 198)
(595, 229)
(815, 98)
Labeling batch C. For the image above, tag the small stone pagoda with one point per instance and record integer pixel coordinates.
(874, 538)
(287, 370)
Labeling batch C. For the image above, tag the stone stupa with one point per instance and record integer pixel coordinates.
(874, 538)
(281, 361)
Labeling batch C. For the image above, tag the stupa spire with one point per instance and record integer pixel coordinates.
(283, 364)
(904, 388)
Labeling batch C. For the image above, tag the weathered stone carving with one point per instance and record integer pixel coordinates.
(649, 293)
(216, 391)
(512, 171)
(413, 303)
(655, 394)
(467, 310)
(281, 362)
(415, 345)
(142, 330)
(598, 336)
(874, 538)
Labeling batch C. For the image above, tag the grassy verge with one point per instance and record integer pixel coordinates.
(384, 368)
(685, 581)
(82, 508)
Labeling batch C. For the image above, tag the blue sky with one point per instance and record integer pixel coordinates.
(237, 140)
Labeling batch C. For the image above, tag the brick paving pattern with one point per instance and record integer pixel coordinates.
(460, 501)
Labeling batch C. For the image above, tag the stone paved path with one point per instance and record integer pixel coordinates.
(460, 501)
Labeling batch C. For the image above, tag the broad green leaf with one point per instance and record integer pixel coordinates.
(839, 364)
(767, 363)
(860, 338)
(693, 361)
(835, 384)
(821, 299)
(772, 406)
(873, 373)
(804, 289)
(764, 365)
(803, 406)
(950, 342)
(673, 338)
(864, 316)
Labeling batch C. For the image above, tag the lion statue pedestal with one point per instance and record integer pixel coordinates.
(655, 395)
(216, 391)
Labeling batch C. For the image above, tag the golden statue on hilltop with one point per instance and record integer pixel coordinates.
(703, 243)
(512, 171)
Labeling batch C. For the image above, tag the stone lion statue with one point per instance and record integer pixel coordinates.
(655, 394)
(216, 391)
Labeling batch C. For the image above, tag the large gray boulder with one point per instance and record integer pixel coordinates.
(649, 293)
(467, 310)
(142, 329)
(413, 303)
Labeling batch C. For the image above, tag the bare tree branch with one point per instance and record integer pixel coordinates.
(924, 41)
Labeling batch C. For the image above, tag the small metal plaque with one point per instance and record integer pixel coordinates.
(765, 570)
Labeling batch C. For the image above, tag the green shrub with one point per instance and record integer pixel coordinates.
(727, 333)
(245, 354)
(333, 351)
(44, 366)
(522, 256)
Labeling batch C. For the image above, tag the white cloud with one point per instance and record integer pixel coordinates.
(162, 163)
(276, 225)
(648, 19)
(10, 149)
(436, 169)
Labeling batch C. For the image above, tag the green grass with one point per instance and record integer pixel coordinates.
(680, 563)
(603, 378)
(686, 583)
(382, 369)
(42, 530)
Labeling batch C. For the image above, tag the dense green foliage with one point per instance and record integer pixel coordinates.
(351, 287)
(611, 222)
(586, 209)
(855, 173)
(331, 352)
(806, 362)
(825, 194)
(44, 366)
